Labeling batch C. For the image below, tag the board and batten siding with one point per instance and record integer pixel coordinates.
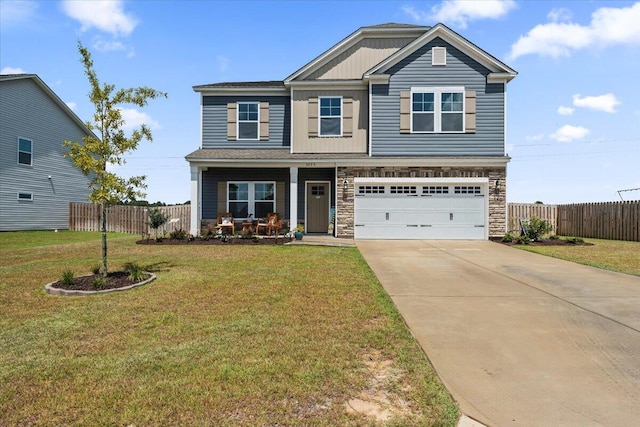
(356, 143)
(356, 60)
(417, 71)
(26, 111)
(214, 122)
(212, 177)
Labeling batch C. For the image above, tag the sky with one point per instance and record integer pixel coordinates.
(573, 111)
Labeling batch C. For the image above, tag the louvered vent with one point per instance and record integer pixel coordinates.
(439, 56)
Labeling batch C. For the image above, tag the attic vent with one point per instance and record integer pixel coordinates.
(439, 56)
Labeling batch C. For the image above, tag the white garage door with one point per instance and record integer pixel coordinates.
(420, 211)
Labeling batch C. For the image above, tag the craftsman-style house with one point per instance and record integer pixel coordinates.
(396, 132)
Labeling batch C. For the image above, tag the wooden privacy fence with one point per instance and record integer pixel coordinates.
(524, 211)
(126, 219)
(610, 220)
(614, 220)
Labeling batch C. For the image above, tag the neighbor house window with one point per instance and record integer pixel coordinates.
(330, 116)
(25, 196)
(25, 151)
(437, 110)
(248, 120)
(251, 198)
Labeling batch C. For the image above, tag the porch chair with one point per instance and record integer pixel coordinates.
(225, 222)
(270, 224)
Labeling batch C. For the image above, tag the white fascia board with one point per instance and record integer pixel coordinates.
(242, 91)
(329, 84)
(482, 180)
(369, 161)
(500, 77)
(450, 37)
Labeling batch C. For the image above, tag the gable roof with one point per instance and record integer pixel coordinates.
(499, 70)
(46, 89)
(382, 30)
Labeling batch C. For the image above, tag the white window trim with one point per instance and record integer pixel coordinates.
(251, 195)
(18, 153)
(257, 138)
(30, 199)
(437, 110)
(320, 117)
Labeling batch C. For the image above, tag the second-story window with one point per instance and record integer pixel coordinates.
(330, 116)
(25, 152)
(437, 110)
(248, 120)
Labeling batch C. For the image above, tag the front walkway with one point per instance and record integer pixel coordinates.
(519, 339)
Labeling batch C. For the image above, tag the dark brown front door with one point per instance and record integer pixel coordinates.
(317, 207)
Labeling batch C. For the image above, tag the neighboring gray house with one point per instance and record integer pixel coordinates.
(36, 181)
(397, 131)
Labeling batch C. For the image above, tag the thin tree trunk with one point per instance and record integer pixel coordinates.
(104, 240)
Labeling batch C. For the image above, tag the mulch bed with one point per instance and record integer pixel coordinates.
(555, 242)
(217, 241)
(115, 280)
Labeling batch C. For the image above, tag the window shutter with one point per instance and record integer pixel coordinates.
(470, 111)
(232, 117)
(222, 196)
(347, 117)
(439, 56)
(264, 121)
(280, 197)
(313, 117)
(405, 112)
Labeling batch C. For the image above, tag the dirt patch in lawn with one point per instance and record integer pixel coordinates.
(380, 400)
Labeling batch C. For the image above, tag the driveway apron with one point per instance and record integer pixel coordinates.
(519, 338)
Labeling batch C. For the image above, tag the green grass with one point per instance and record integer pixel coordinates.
(614, 255)
(227, 335)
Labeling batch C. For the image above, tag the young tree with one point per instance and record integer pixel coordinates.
(94, 154)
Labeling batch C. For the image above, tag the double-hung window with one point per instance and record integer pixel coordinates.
(248, 120)
(25, 152)
(437, 110)
(330, 116)
(251, 198)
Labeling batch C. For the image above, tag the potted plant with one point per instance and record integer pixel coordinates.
(298, 233)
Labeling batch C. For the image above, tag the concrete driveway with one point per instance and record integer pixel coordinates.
(518, 338)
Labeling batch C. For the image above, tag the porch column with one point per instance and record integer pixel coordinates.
(194, 229)
(293, 198)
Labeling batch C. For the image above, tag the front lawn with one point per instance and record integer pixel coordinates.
(227, 335)
(614, 255)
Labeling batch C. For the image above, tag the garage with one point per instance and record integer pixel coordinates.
(409, 208)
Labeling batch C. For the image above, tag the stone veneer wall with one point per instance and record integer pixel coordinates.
(497, 195)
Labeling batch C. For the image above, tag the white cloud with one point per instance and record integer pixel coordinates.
(459, 12)
(561, 36)
(565, 111)
(103, 45)
(606, 102)
(134, 118)
(568, 133)
(537, 137)
(12, 70)
(104, 15)
(560, 14)
(16, 12)
(71, 105)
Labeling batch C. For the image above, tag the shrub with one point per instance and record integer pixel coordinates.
(553, 237)
(508, 237)
(67, 278)
(156, 220)
(246, 233)
(575, 240)
(522, 240)
(136, 272)
(95, 269)
(99, 282)
(178, 234)
(536, 228)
